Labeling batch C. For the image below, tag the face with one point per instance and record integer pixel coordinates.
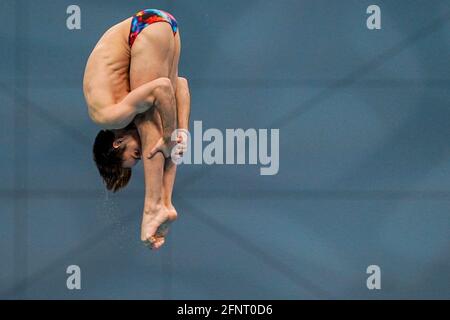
(132, 148)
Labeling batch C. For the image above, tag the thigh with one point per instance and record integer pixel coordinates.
(152, 54)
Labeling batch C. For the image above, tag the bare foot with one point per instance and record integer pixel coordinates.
(155, 226)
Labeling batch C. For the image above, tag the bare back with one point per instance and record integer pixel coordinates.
(106, 77)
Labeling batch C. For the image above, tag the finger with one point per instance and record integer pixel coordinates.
(150, 243)
(158, 244)
(177, 150)
(176, 158)
(155, 150)
(152, 153)
(166, 152)
(181, 146)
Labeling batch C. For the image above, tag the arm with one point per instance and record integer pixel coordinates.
(183, 107)
(156, 93)
(117, 116)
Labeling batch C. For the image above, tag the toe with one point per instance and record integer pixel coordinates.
(158, 244)
(149, 232)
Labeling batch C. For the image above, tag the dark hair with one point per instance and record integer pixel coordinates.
(109, 161)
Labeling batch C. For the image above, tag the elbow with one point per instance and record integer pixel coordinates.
(183, 89)
(102, 120)
(97, 117)
(164, 86)
(182, 81)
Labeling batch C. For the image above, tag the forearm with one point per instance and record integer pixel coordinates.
(138, 101)
(158, 93)
(116, 116)
(183, 98)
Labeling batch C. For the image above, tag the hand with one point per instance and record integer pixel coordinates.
(182, 143)
(163, 145)
(175, 147)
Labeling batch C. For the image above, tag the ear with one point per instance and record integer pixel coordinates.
(117, 143)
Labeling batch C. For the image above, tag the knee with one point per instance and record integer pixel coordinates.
(164, 89)
(183, 82)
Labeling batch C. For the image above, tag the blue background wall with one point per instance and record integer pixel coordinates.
(364, 155)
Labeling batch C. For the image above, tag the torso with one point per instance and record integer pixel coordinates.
(106, 79)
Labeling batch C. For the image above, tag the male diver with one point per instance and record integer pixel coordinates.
(134, 93)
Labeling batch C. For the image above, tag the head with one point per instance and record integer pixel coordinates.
(115, 153)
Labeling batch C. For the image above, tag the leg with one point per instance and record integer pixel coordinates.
(170, 170)
(147, 64)
(168, 182)
(152, 55)
(149, 126)
(156, 216)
